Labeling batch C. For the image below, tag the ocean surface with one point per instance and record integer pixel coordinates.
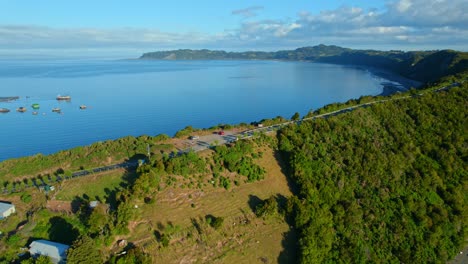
(135, 97)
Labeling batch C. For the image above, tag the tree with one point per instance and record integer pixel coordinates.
(295, 117)
(133, 256)
(43, 260)
(267, 207)
(40, 260)
(84, 251)
(215, 222)
(99, 221)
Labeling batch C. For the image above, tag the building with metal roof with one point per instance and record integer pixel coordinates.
(55, 251)
(6, 210)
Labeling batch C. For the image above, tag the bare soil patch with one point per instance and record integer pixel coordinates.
(59, 206)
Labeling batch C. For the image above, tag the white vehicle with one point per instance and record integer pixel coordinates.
(194, 137)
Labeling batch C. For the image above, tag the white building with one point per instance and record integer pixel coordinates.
(55, 251)
(6, 210)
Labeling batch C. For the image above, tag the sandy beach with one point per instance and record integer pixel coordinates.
(391, 82)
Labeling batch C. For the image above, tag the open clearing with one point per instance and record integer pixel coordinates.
(181, 213)
(243, 238)
(95, 187)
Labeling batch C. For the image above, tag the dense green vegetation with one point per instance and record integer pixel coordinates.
(83, 251)
(238, 158)
(417, 65)
(386, 183)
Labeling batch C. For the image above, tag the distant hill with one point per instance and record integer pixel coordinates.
(424, 66)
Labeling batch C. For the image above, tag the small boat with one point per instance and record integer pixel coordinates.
(35, 106)
(56, 110)
(63, 97)
(34, 113)
(4, 110)
(21, 109)
(82, 107)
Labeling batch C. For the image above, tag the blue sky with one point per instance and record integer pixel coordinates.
(129, 28)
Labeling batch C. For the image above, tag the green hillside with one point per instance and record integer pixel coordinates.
(382, 184)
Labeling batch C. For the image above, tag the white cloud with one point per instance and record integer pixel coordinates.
(411, 23)
(247, 12)
(403, 5)
(427, 13)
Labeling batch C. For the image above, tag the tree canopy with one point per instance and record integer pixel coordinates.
(386, 183)
(84, 251)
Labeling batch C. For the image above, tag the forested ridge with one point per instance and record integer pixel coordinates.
(424, 66)
(386, 183)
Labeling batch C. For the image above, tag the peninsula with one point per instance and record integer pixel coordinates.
(422, 66)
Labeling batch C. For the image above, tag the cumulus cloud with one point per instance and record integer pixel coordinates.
(427, 13)
(404, 23)
(247, 12)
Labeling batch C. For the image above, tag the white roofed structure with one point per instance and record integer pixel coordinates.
(6, 210)
(55, 251)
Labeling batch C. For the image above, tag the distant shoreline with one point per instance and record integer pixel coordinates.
(395, 82)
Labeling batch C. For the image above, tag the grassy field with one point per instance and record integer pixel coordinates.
(93, 187)
(178, 211)
(243, 238)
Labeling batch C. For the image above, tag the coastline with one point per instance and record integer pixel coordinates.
(392, 82)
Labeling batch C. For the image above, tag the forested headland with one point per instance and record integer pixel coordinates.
(423, 66)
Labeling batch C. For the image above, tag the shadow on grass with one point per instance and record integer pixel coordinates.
(254, 201)
(290, 246)
(61, 231)
(281, 159)
(289, 254)
(128, 179)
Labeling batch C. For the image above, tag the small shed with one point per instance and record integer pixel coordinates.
(6, 210)
(55, 251)
(93, 204)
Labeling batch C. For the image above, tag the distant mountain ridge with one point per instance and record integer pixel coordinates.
(424, 66)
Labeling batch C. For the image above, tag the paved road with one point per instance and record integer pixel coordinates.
(123, 165)
(461, 258)
(205, 142)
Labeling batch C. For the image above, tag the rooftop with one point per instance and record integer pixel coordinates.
(55, 251)
(5, 206)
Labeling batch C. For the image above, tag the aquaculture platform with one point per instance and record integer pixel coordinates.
(8, 98)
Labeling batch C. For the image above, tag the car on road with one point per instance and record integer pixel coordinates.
(221, 133)
(194, 137)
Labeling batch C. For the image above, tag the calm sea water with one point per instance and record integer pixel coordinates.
(153, 97)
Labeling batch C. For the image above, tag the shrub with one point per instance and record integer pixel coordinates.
(26, 198)
(213, 221)
(267, 207)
